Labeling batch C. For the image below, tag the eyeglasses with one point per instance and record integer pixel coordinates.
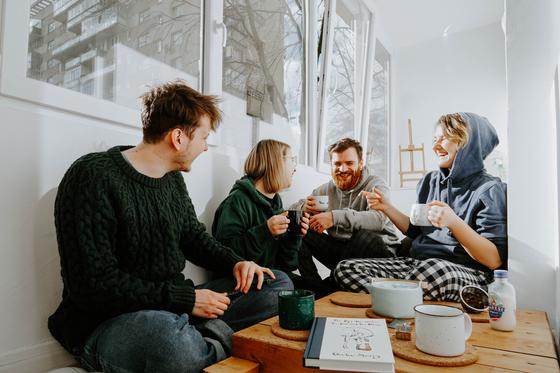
(438, 139)
(293, 158)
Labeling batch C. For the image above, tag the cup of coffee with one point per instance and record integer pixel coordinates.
(419, 215)
(294, 227)
(296, 309)
(321, 203)
(441, 330)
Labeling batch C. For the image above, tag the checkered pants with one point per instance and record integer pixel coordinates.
(444, 279)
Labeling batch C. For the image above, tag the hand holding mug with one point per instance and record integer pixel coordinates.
(310, 205)
(441, 215)
(278, 224)
(304, 223)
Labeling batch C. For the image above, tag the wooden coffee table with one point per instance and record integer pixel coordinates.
(529, 348)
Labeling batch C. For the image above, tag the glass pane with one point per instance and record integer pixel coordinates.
(320, 24)
(111, 49)
(263, 61)
(341, 88)
(379, 114)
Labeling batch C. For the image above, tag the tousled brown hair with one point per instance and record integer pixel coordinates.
(346, 143)
(454, 128)
(266, 162)
(176, 105)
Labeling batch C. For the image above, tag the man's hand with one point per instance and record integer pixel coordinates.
(278, 224)
(321, 222)
(310, 205)
(441, 215)
(244, 272)
(376, 200)
(208, 304)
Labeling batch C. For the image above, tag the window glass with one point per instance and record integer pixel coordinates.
(378, 139)
(263, 61)
(112, 49)
(341, 88)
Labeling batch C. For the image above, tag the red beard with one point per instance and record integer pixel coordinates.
(347, 180)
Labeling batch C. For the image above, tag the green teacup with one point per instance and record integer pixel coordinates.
(296, 309)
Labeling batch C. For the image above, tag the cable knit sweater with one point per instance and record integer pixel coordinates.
(123, 239)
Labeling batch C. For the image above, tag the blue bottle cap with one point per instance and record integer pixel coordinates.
(501, 273)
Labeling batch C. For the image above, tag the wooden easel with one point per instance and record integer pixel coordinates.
(413, 174)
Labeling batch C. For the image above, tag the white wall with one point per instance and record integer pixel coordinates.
(464, 71)
(533, 39)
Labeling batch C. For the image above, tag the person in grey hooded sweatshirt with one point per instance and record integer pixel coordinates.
(354, 230)
(467, 210)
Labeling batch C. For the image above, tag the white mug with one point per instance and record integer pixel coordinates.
(419, 215)
(441, 330)
(321, 203)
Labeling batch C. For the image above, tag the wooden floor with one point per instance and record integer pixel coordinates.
(529, 348)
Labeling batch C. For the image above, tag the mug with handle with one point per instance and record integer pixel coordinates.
(441, 330)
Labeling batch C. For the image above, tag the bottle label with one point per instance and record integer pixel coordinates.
(496, 308)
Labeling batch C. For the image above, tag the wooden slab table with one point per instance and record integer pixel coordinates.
(529, 348)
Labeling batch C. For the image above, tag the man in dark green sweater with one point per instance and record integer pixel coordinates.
(125, 226)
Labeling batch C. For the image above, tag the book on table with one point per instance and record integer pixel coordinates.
(360, 345)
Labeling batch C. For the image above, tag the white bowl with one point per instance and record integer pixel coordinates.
(395, 298)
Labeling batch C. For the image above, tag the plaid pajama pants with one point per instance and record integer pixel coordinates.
(444, 279)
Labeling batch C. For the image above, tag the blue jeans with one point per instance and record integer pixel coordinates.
(160, 341)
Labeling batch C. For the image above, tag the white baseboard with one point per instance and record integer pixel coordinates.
(39, 358)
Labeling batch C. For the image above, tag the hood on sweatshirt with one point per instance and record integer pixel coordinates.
(482, 140)
(470, 157)
(246, 185)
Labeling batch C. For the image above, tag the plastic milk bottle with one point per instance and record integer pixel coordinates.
(502, 302)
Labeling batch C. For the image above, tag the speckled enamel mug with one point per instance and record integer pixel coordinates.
(441, 330)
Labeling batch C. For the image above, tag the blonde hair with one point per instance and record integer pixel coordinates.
(454, 128)
(266, 162)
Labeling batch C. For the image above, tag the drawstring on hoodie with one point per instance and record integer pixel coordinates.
(340, 204)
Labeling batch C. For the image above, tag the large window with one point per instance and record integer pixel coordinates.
(378, 132)
(346, 44)
(263, 61)
(341, 98)
(115, 47)
(292, 70)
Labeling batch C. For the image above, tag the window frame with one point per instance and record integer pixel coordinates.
(361, 118)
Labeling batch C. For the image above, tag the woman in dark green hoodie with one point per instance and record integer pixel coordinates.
(251, 220)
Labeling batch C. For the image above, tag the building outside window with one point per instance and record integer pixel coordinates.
(143, 40)
(143, 16)
(95, 34)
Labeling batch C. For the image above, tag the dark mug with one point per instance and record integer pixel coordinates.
(296, 309)
(294, 227)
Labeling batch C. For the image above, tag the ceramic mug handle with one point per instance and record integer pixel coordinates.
(468, 326)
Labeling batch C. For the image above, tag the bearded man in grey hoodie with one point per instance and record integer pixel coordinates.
(348, 229)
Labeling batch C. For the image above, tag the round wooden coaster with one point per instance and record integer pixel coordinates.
(355, 300)
(293, 335)
(408, 351)
(373, 315)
